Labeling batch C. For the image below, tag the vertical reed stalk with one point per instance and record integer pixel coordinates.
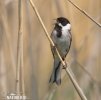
(20, 69)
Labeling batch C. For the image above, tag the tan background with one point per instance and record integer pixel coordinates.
(85, 52)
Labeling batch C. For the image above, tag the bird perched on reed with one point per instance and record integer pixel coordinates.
(61, 36)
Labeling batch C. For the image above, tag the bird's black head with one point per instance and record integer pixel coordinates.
(63, 21)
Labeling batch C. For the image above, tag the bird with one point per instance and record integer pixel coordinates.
(62, 38)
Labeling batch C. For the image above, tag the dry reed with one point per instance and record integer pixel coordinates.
(20, 70)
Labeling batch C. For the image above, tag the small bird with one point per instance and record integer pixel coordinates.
(62, 38)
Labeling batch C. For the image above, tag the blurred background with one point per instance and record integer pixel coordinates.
(84, 56)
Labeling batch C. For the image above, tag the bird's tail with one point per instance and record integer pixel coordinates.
(56, 74)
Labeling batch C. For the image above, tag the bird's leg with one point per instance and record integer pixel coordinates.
(64, 67)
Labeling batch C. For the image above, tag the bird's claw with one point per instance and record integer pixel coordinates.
(54, 48)
(64, 67)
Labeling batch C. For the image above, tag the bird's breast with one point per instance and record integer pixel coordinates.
(62, 43)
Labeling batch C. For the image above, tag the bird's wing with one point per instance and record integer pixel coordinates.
(70, 42)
